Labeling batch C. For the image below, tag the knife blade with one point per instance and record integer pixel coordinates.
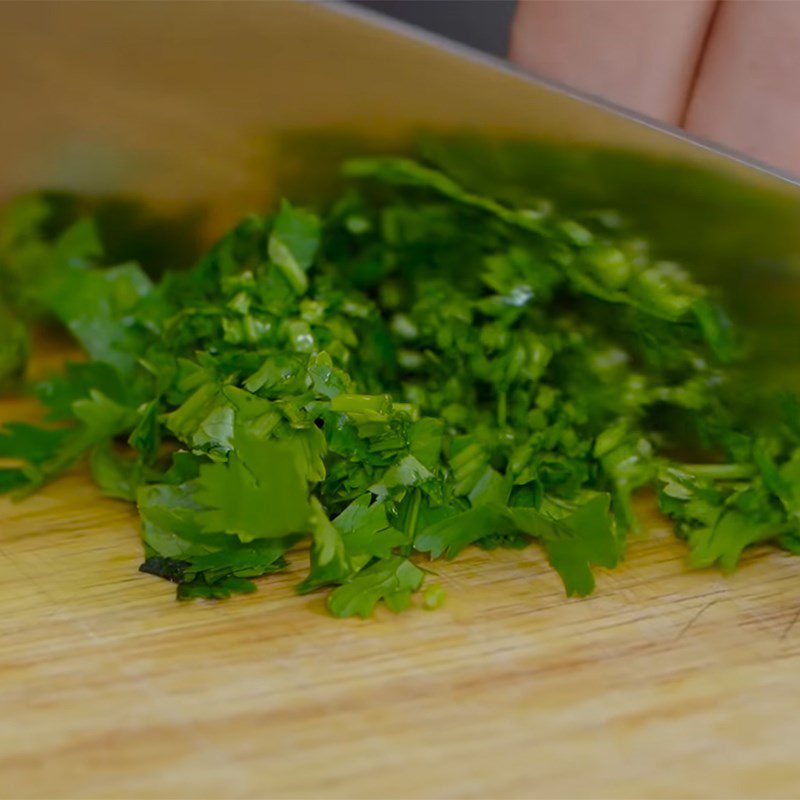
(223, 106)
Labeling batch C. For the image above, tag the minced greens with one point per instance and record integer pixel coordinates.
(417, 370)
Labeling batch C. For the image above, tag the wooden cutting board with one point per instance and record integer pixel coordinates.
(664, 684)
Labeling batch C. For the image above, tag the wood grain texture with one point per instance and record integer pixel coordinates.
(664, 684)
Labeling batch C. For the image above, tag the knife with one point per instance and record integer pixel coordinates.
(222, 107)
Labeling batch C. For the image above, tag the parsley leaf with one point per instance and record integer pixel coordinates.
(261, 492)
(293, 244)
(392, 580)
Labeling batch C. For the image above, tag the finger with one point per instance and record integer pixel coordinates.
(747, 94)
(641, 55)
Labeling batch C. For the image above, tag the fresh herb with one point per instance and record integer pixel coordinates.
(418, 370)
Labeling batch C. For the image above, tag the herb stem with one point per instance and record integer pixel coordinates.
(413, 518)
(722, 472)
(502, 408)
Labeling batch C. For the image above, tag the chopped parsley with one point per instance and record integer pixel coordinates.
(417, 370)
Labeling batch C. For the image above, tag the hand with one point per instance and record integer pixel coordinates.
(725, 70)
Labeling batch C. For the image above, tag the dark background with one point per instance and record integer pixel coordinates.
(483, 24)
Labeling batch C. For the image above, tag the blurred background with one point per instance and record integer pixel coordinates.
(484, 24)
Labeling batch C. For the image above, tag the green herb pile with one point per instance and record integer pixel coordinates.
(418, 370)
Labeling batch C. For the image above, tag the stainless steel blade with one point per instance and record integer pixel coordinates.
(221, 106)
